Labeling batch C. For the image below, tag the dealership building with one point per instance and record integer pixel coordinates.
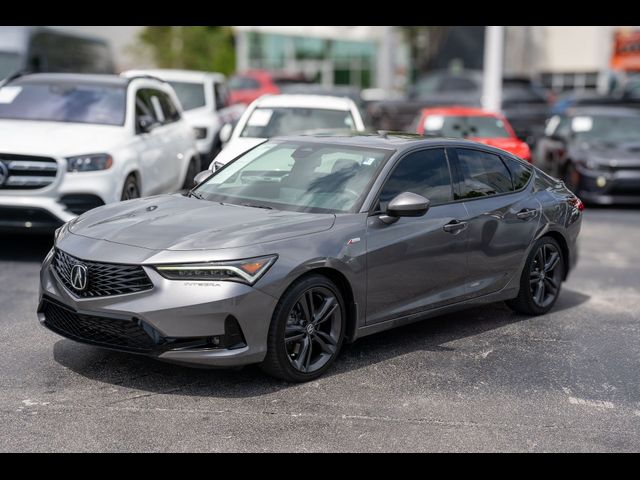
(563, 57)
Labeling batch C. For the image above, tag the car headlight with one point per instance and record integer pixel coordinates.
(89, 163)
(201, 132)
(246, 271)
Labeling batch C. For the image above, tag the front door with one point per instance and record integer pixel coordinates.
(416, 263)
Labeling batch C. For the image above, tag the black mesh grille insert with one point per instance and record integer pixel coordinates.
(108, 332)
(103, 279)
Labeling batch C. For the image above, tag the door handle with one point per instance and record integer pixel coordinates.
(455, 226)
(526, 214)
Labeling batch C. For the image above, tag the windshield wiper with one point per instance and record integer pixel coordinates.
(256, 205)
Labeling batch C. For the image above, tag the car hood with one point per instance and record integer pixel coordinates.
(237, 147)
(57, 138)
(175, 222)
(623, 154)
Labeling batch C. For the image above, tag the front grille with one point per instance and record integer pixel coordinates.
(127, 335)
(26, 172)
(103, 279)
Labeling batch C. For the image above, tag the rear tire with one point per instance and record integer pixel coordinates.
(306, 331)
(541, 279)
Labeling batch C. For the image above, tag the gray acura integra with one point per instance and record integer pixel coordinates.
(306, 242)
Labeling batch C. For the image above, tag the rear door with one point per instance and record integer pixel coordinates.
(418, 263)
(502, 215)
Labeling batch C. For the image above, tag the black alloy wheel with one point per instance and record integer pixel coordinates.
(545, 275)
(541, 279)
(307, 330)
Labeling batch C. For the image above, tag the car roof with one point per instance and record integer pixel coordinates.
(85, 78)
(177, 75)
(608, 110)
(459, 111)
(382, 140)
(328, 102)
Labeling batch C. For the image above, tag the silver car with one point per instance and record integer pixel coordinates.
(304, 243)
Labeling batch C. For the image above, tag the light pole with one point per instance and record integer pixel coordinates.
(385, 60)
(493, 58)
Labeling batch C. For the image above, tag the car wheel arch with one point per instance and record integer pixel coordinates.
(564, 246)
(344, 285)
(135, 174)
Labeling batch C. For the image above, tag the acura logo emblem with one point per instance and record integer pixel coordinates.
(79, 276)
(4, 173)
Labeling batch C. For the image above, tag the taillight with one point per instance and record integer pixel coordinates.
(577, 203)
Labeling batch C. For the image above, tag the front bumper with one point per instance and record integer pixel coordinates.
(175, 321)
(605, 188)
(45, 209)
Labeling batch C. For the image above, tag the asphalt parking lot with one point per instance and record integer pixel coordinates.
(481, 380)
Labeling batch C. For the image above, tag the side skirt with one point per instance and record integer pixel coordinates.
(506, 293)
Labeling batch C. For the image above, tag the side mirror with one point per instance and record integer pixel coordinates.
(202, 176)
(146, 123)
(406, 204)
(225, 132)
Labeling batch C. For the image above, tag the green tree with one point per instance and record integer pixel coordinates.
(194, 48)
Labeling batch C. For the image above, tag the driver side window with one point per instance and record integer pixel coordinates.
(425, 173)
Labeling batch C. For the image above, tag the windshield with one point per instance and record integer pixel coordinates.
(10, 62)
(191, 95)
(297, 176)
(606, 128)
(273, 122)
(463, 127)
(64, 102)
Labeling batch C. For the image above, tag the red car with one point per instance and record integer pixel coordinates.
(248, 86)
(474, 124)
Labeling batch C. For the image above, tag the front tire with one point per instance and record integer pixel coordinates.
(541, 279)
(130, 190)
(307, 330)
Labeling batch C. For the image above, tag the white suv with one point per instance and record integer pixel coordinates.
(276, 115)
(72, 142)
(204, 98)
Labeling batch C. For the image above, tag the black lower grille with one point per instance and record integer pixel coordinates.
(81, 203)
(26, 217)
(103, 279)
(127, 335)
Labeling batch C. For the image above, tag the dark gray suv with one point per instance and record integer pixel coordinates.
(306, 242)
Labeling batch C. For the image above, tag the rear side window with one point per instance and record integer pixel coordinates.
(221, 95)
(169, 110)
(520, 173)
(425, 173)
(482, 174)
(144, 105)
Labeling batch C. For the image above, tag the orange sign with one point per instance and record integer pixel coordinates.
(626, 53)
